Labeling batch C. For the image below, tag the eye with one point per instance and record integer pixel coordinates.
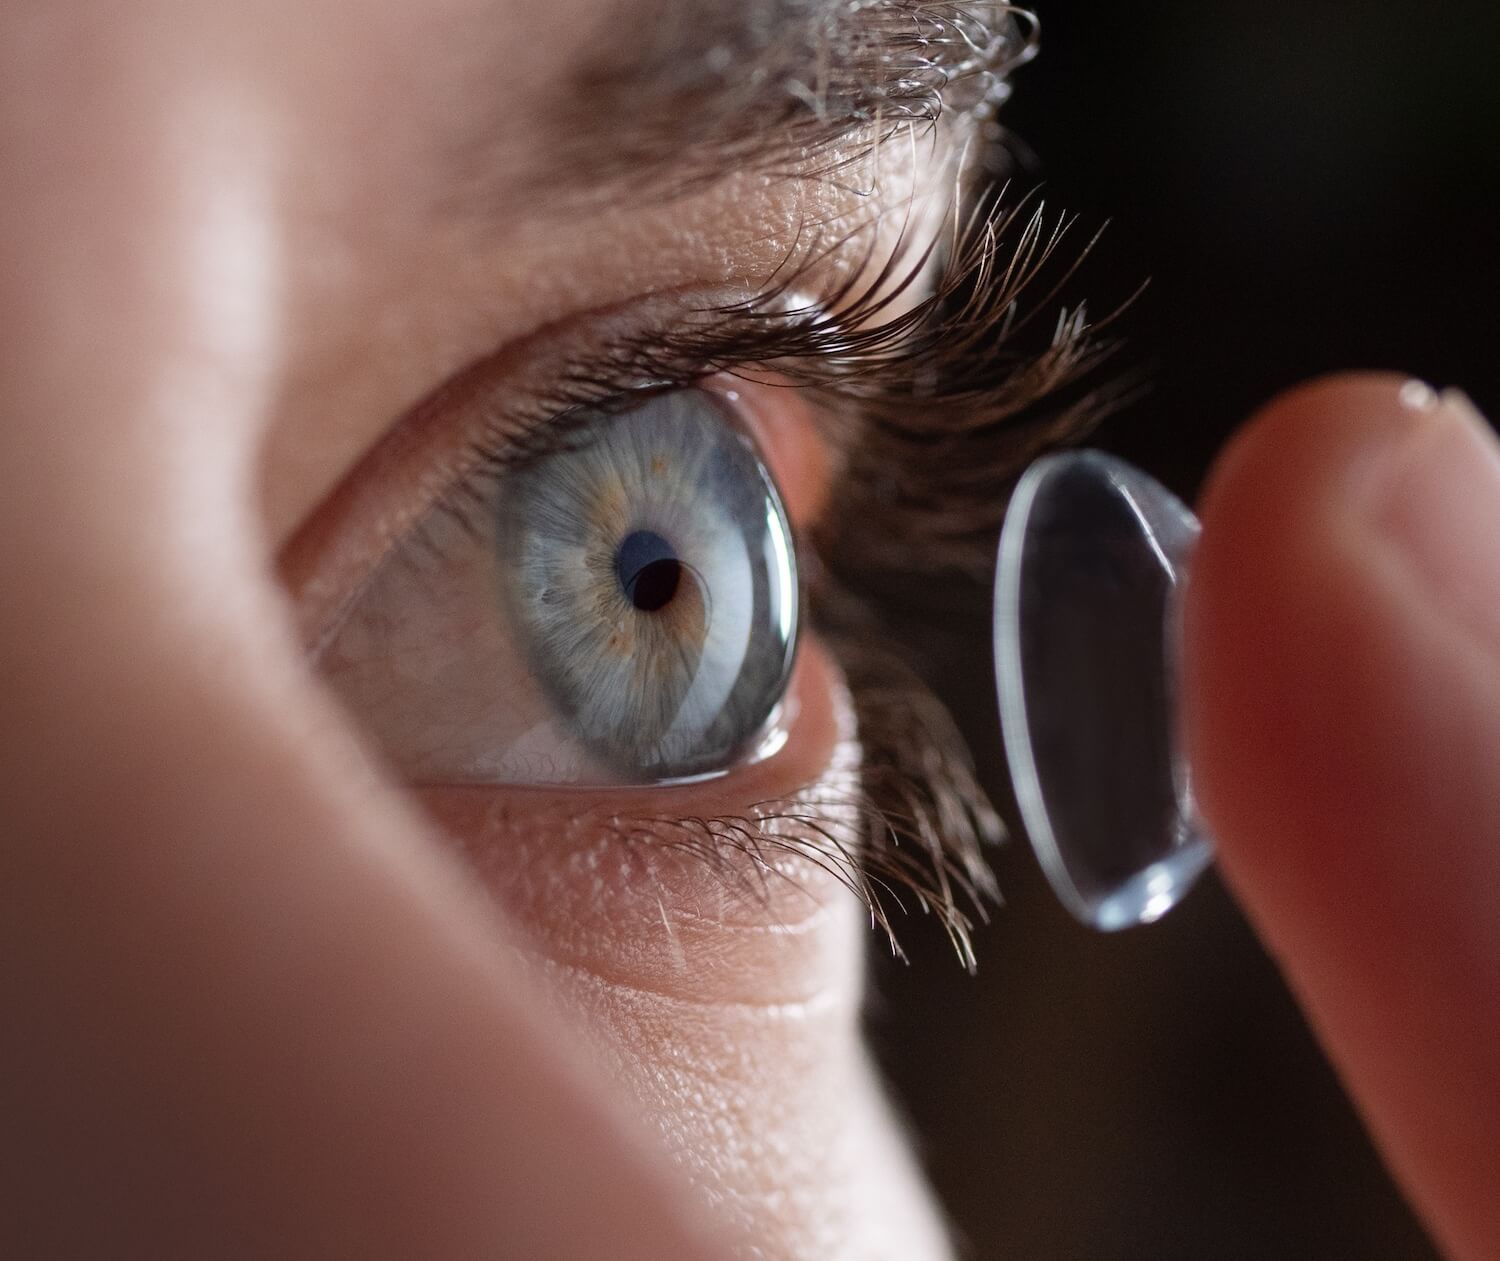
(649, 572)
(622, 609)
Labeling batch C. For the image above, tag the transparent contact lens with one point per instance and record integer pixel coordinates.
(1093, 557)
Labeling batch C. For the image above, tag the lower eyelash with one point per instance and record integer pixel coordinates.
(928, 819)
(909, 824)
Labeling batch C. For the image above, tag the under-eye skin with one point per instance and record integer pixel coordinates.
(647, 567)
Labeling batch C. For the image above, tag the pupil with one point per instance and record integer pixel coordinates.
(648, 570)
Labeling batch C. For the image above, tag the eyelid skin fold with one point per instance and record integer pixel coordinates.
(940, 399)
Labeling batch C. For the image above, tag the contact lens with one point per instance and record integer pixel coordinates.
(1093, 557)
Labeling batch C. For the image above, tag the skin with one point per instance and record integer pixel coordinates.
(256, 1004)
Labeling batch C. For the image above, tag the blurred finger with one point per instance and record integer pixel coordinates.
(1344, 675)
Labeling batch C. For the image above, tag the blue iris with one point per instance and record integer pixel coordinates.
(649, 571)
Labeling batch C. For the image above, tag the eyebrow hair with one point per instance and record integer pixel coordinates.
(688, 90)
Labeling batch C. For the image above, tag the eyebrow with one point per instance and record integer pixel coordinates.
(686, 91)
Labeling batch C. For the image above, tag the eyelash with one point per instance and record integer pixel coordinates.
(913, 395)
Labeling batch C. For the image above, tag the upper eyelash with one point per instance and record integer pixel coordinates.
(955, 373)
(946, 402)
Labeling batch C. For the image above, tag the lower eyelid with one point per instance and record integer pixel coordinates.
(632, 886)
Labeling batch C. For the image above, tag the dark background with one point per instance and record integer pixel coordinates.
(1309, 187)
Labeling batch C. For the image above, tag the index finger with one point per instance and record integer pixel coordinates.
(1343, 658)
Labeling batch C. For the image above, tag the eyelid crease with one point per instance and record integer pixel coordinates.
(929, 405)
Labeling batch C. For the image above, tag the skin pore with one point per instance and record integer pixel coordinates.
(264, 1000)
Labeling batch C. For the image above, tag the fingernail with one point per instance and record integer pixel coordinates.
(1437, 508)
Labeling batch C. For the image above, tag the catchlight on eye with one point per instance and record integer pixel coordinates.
(1093, 557)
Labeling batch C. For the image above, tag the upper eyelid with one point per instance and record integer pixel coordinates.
(928, 381)
(668, 337)
(807, 310)
(457, 441)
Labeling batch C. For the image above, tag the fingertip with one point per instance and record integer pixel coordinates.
(1263, 594)
(1342, 705)
(1312, 616)
(1304, 450)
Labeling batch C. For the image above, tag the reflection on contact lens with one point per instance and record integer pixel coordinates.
(1092, 559)
(649, 573)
